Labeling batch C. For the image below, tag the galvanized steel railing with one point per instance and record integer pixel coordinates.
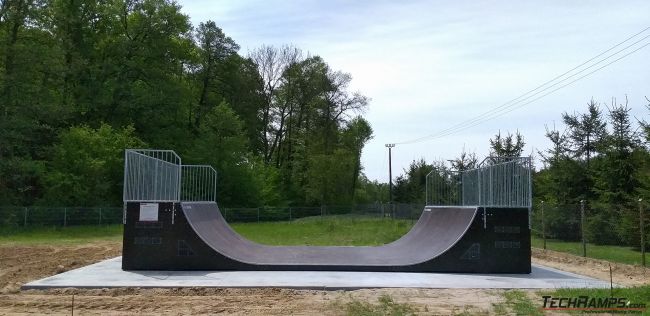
(497, 182)
(159, 176)
(444, 187)
(151, 175)
(199, 183)
(506, 182)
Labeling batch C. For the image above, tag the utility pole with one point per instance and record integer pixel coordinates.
(390, 173)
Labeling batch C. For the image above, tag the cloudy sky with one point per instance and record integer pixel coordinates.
(429, 65)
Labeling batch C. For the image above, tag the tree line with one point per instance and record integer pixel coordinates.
(601, 157)
(82, 80)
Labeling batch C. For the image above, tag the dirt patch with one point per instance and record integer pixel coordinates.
(624, 274)
(240, 301)
(21, 264)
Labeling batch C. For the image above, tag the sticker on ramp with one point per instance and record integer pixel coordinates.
(472, 253)
(149, 212)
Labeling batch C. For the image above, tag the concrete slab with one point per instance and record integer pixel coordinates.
(108, 274)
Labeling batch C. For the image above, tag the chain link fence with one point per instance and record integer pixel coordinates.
(59, 216)
(593, 223)
(17, 217)
(271, 214)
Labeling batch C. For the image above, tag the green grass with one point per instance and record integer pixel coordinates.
(328, 231)
(60, 235)
(518, 303)
(314, 231)
(635, 295)
(609, 253)
(385, 306)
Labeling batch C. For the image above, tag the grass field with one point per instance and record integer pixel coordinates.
(609, 253)
(329, 231)
(316, 231)
(60, 235)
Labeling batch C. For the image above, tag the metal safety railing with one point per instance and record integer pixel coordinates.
(505, 182)
(151, 175)
(497, 182)
(444, 187)
(159, 176)
(199, 183)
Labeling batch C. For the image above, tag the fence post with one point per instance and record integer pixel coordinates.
(25, 217)
(65, 216)
(582, 227)
(100, 216)
(641, 224)
(289, 213)
(543, 226)
(258, 214)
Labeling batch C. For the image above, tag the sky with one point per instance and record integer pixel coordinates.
(428, 65)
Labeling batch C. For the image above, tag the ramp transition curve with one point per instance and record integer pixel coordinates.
(195, 236)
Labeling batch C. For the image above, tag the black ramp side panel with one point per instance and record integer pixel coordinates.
(437, 230)
(194, 236)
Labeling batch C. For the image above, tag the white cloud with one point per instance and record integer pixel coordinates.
(430, 65)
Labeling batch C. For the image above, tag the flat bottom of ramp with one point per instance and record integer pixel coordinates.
(109, 274)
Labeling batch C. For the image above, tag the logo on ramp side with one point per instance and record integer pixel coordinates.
(472, 253)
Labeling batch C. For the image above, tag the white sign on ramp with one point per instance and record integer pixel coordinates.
(148, 212)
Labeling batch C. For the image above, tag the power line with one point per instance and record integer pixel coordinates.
(516, 102)
(519, 104)
(531, 101)
(509, 104)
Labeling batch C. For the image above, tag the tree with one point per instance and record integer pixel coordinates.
(616, 181)
(508, 146)
(272, 63)
(465, 161)
(355, 135)
(559, 149)
(646, 125)
(270, 122)
(87, 166)
(222, 144)
(586, 131)
(29, 113)
(214, 49)
(410, 187)
(561, 180)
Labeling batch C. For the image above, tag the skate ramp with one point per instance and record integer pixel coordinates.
(436, 231)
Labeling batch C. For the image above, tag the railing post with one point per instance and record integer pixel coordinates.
(641, 230)
(582, 227)
(100, 216)
(65, 216)
(258, 214)
(543, 226)
(25, 217)
(289, 213)
(426, 189)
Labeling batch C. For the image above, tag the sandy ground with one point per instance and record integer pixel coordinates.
(623, 274)
(20, 264)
